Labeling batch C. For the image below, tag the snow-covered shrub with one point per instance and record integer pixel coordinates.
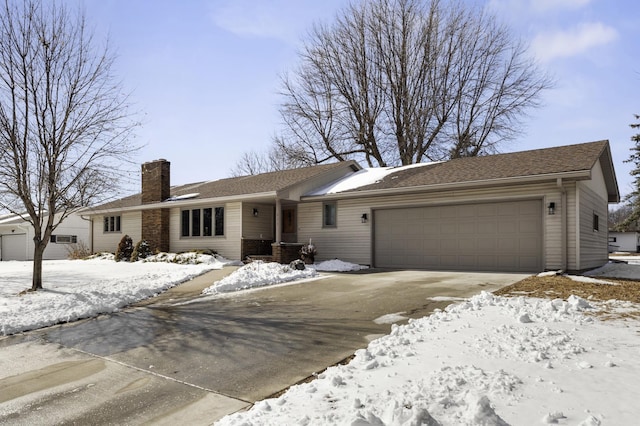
(125, 249)
(142, 250)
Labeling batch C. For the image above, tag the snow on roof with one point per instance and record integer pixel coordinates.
(363, 177)
(183, 197)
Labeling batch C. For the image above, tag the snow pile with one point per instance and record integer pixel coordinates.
(616, 270)
(486, 361)
(190, 258)
(259, 274)
(337, 265)
(75, 289)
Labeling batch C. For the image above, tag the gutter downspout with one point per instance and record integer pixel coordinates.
(563, 224)
(90, 220)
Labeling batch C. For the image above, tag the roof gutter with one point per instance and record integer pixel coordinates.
(576, 175)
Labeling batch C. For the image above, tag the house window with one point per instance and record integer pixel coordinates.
(596, 222)
(111, 224)
(329, 213)
(185, 223)
(195, 222)
(64, 239)
(203, 222)
(206, 222)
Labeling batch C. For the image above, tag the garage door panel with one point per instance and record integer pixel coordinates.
(528, 226)
(467, 228)
(14, 247)
(487, 236)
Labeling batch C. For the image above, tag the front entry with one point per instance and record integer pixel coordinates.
(289, 231)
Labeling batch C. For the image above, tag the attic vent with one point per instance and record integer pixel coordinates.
(183, 197)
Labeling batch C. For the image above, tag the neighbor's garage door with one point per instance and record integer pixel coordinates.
(505, 236)
(14, 247)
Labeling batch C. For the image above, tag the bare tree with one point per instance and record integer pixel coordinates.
(64, 120)
(277, 157)
(618, 219)
(405, 81)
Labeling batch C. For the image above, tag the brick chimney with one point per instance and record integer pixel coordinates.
(156, 187)
(156, 181)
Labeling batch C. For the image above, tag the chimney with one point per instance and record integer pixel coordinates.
(156, 182)
(156, 187)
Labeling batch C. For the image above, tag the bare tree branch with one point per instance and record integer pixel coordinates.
(405, 81)
(65, 124)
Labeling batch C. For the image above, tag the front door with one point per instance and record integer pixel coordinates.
(289, 232)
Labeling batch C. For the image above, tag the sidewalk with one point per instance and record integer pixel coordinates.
(189, 289)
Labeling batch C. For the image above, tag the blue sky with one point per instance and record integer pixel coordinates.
(205, 73)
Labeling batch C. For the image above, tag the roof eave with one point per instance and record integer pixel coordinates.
(186, 203)
(606, 163)
(575, 175)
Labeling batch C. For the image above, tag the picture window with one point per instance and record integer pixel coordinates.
(205, 222)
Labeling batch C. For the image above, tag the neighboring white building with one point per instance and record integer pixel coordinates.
(624, 241)
(16, 237)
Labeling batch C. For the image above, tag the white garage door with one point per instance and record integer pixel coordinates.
(505, 236)
(14, 247)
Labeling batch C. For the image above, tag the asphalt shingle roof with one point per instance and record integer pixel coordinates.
(243, 185)
(547, 161)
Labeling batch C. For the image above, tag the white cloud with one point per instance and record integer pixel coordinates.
(572, 42)
(249, 18)
(547, 5)
(284, 20)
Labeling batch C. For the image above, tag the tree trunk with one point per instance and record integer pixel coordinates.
(38, 253)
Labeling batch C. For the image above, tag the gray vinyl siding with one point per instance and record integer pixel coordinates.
(227, 245)
(130, 224)
(351, 240)
(593, 244)
(257, 227)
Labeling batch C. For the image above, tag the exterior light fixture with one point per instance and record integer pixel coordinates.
(255, 212)
(552, 208)
(364, 218)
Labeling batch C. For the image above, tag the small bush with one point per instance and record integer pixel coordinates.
(142, 250)
(308, 253)
(125, 249)
(78, 250)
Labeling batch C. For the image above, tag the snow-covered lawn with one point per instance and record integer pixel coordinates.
(75, 289)
(488, 360)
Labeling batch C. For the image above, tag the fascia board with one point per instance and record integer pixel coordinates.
(185, 203)
(576, 175)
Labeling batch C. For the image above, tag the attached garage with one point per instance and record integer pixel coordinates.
(14, 247)
(505, 236)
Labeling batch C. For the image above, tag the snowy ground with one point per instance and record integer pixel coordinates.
(488, 360)
(75, 289)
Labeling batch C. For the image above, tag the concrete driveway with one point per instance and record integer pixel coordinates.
(192, 359)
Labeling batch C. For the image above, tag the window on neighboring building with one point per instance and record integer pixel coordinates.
(111, 224)
(596, 222)
(329, 215)
(64, 239)
(203, 222)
